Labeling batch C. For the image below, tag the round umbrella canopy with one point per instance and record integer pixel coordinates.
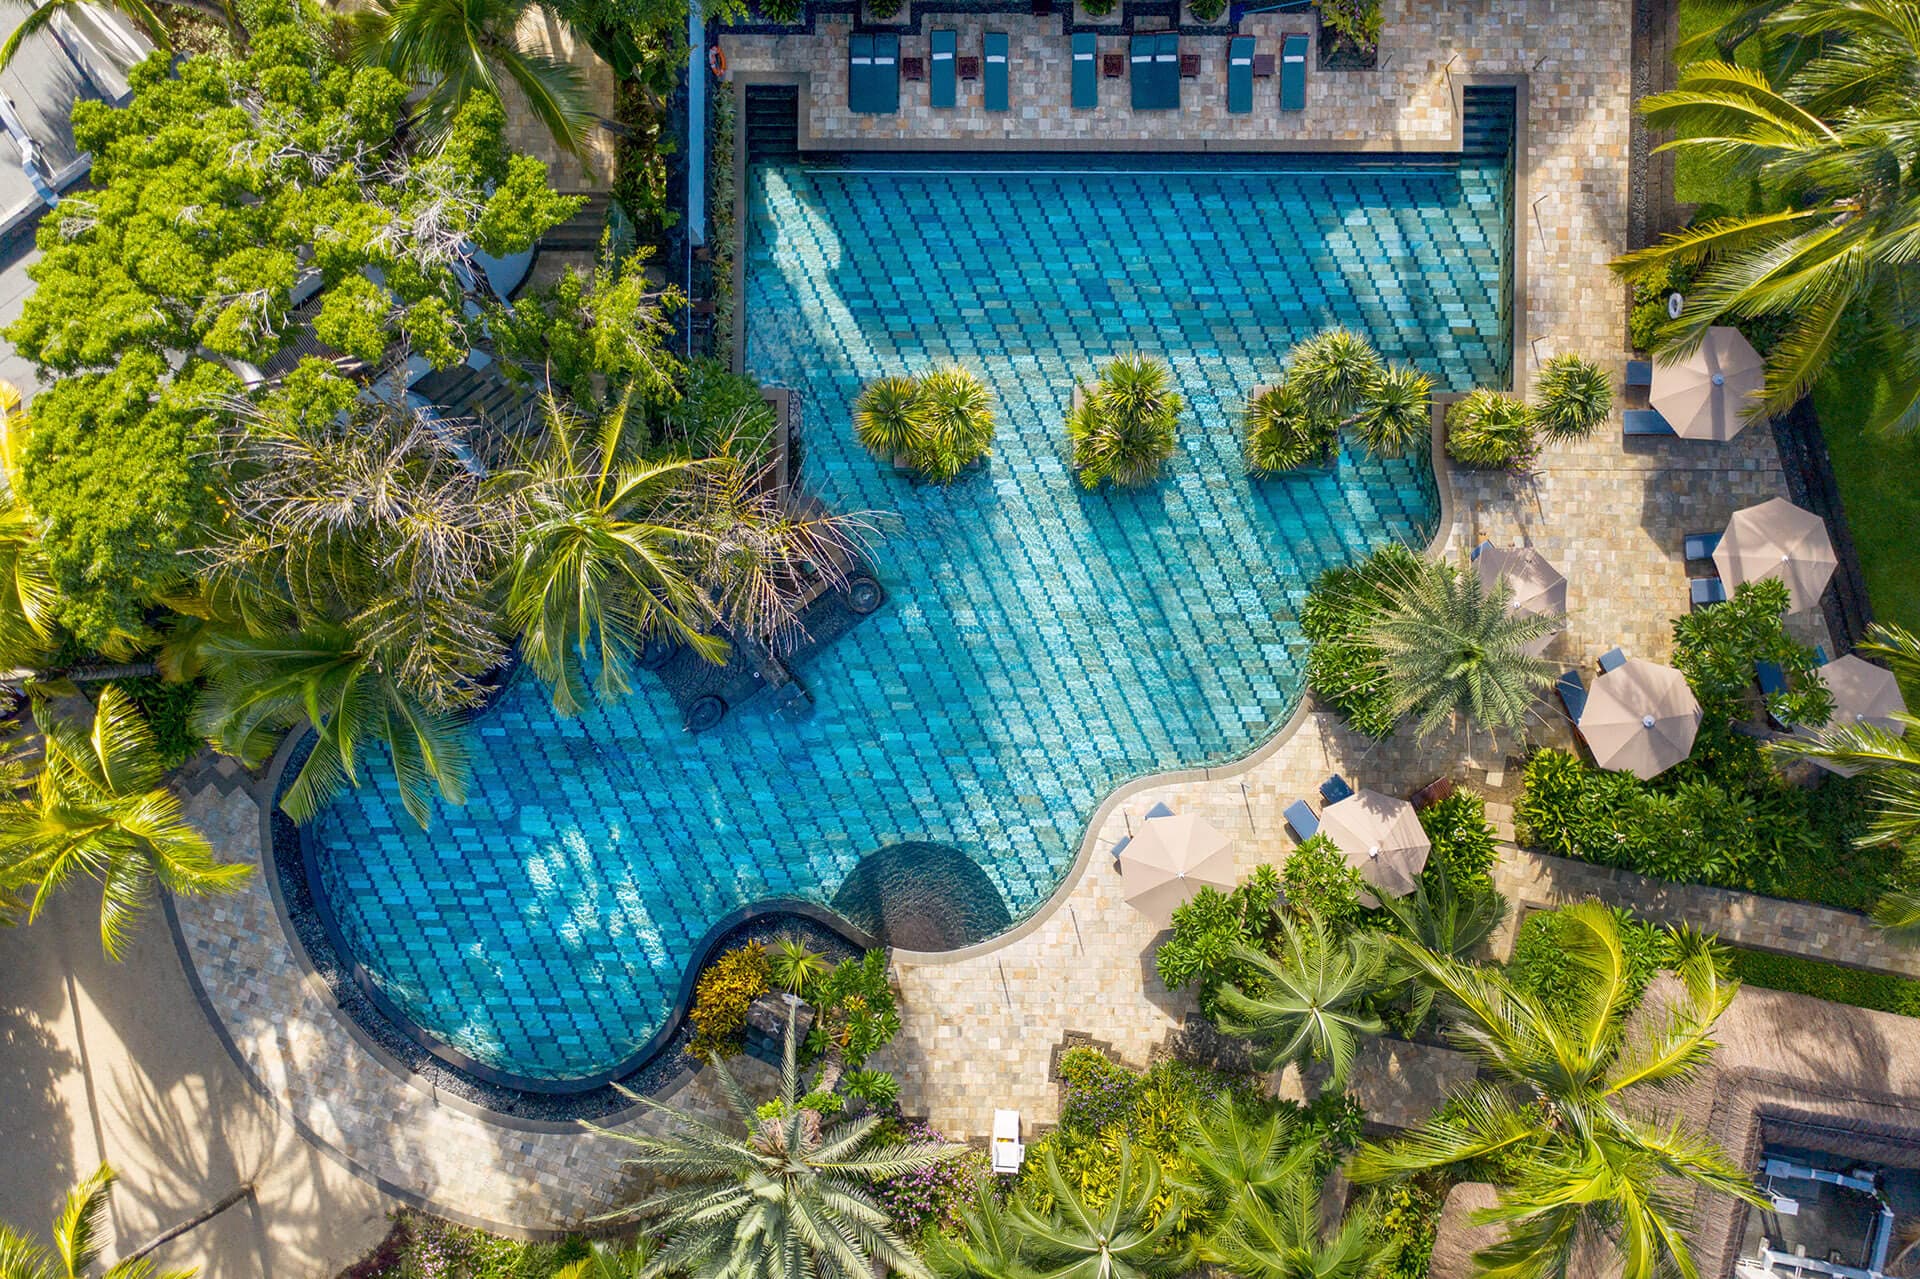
(1862, 694)
(1171, 859)
(1381, 837)
(1640, 717)
(1705, 396)
(1538, 587)
(1778, 539)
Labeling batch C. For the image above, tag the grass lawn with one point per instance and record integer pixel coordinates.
(1695, 179)
(1879, 479)
(1854, 986)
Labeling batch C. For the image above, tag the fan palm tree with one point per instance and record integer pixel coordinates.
(1453, 648)
(1237, 1157)
(1279, 1236)
(1309, 1004)
(1445, 920)
(1285, 429)
(1336, 366)
(1120, 1238)
(1829, 252)
(780, 1195)
(463, 47)
(1574, 397)
(263, 684)
(1553, 1104)
(77, 1241)
(98, 807)
(1395, 411)
(957, 416)
(887, 418)
(1126, 424)
(1890, 763)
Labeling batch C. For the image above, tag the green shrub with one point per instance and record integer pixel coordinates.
(1207, 10)
(1716, 649)
(1542, 966)
(1318, 878)
(1127, 423)
(721, 998)
(875, 1087)
(1351, 22)
(1574, 397)
(854, 1009)
(1342, 666)
(1284, 431)
(1407, 1215)
(883, 9)
(1883, 991)
(1649, 312)
(1462, 839)
(1097, 8)
(1207, 927)
(782, 10)
(424, 1247)
(718, 406)
(169, 710)
(1490, 429)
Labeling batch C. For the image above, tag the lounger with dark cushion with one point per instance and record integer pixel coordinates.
(941, 47)
(1611, 660)
(1644, 422)
(994, 46)
(1293, 73)
(1701, 546)
(1820, 657)
(1086, 71)
(1300, 817)
(886, 75)
(1706, 591)
(1573, 694)
(1240, 75)
(1772, 679)
(1166, 69)
(1484, 545)
(859, 71)
(1639, 373)
(1140, 71)
(1335, 789)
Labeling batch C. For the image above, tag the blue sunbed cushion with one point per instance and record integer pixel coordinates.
(1639, 373)
(1335, 789)
(1706, 591)
(1644, 422)
(1301, 818)
(1701, 546)
(886, 74)
(1820, 657)
(994, 46)
(1166, 70)
(1140, 73)
(941, 73)
(1773, 680)
(859, 71)
(1611, 660)
(1573, 694)
(1293, 73)
(1240, 75)
(1086, 71)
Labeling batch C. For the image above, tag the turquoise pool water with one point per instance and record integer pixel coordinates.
(1040, 644)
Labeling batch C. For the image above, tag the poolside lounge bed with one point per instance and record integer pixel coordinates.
(1612, 659)
(1772, 679)
(1335, 789)
(1166, 69)
(1140, 64)
(1086, 71)
(1644, 422)
(1240, 75)
(1573, 694)
(1701, 546)
(1301, 820)
(993, 45)
(1293, 73)
(1007, 1148)
(941, 48)
(1639, 373)
(1705, 591)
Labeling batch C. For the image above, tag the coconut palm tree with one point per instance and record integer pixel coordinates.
(1126, 424)
(27, 592)
(462, 47)
(1891, 764)
(1278, 1235)
(1445, 920)
(142, 15)
(1556, 1103)
(1574, 397)
(77, 1241)
(1453, 648)
(97, 807)
(1309, 1004)
(1898, 914)
(780, 1194)
(1829, 251)
(1120, 1237)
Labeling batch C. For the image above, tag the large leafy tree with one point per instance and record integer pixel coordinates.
(1829, 253)
(1310, 1003)
(1890, 762)
(78, 1237)
(777, 1194)
(1716, 649)
(96, 807)
(1555, 1108)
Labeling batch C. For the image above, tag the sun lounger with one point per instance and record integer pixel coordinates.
(1573, 694)
(1140, 68)
(994, 46)
(1335, 789)
(886, 75)
(1701, 546)
(1820, 657)
(859, 71)
(1639, 373)
(1612, 659)
(1485, 544)
(1705, 592)
(1166, 70)
(1644, 422)
(1007, 1150)
(1086, 72)
(1301, 821)
(941, 47)
(1293, 73)
(1772, 680)
(1240, 75)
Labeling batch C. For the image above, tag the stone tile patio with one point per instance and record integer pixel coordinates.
(979, 1028)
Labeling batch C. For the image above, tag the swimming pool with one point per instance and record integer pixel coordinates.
(1039, 646)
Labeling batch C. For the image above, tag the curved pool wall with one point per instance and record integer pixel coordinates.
(1040, 645)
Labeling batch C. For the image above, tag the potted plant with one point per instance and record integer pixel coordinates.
(1125, 426)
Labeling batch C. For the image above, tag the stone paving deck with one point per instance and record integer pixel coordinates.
(979, 1028)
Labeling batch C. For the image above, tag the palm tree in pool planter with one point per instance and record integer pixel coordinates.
(887, 419)
(1126, 424)
(779, 1194)
(1309, 1003)
(1581, 1159)
(958, 417)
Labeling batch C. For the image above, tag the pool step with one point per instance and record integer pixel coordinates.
(772, 129)
(1486, 130)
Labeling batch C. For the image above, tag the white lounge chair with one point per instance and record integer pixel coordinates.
(1007, 1150)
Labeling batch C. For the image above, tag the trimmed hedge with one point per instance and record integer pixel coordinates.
(1882, 991)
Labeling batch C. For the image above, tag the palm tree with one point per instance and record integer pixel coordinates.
(1445, 920)
(1890, 763)
(142, 15)
(1828, 252)
(887, 418)
(1574, 397)
(1898, 914)
(1337, 367)
(795, 965)
(463, 47)
(27, 592)
(1126, 423)
(1453, 648)
(611, 1261)
(1237, 1157)
(986, 1244)
(957, 415)
(98, 807)
(1123, 1237)
(781, 1195)
(1553, 1105)
(76, 1241)
(1285, 429)
(1395, 411)
(263, 684)
(1309, 1004)
(1279, 1236)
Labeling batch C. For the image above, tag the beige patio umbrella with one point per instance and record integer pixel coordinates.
(1381, 837)
(1777, 539)
(1538, 587)
(1171, 859)
(1706, 395)
(1641, 717)
(1862, 694)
